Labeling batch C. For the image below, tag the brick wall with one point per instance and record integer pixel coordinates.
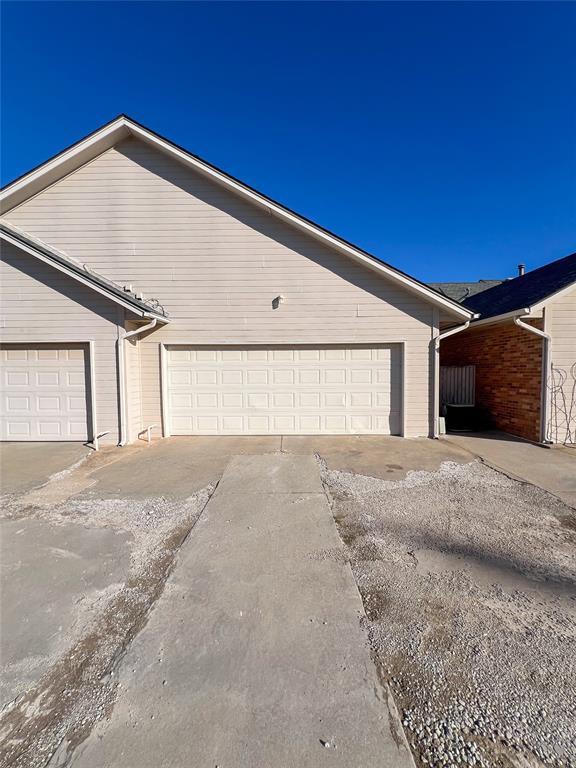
(508, 364)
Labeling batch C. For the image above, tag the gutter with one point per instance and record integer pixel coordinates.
(519, 321)
(73, 269)
(493, 319)
(122, 376)
(437, 340)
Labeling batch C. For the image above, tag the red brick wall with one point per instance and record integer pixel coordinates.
(508, 364)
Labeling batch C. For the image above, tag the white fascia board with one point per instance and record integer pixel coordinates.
(79, 278)
(296, 220)
(553, 297)
(65, 162)
(24, 188)
(533, 311)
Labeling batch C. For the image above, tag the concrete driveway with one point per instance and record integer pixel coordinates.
(27, 465)
(255, 655)
(157, 641)
(192, 602)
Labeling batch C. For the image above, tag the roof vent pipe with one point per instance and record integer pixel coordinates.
(521, 269)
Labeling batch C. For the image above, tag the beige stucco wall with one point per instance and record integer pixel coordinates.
(39, 304)
(561, 325)
(216, 262)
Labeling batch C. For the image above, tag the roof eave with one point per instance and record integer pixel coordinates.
(83, 277)
(553, 296)
(493, 319)
(42, 176)
(297, 220)
(121, 127)
(523, 311)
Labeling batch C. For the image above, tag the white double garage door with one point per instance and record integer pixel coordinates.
(284, 390)
(215, 391)
(43, 392)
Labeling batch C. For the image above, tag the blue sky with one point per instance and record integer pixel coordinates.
(438, 136)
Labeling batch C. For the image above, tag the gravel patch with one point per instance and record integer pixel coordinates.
(468, 581)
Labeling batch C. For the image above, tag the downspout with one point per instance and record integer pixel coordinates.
(545, 362)
(437, 340)
(122, 376)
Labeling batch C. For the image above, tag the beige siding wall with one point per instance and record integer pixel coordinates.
(36, 306)
(561, 325)
(216, 262)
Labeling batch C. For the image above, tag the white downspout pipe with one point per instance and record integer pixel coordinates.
(437, 340)
(122, 377)
(545, 363)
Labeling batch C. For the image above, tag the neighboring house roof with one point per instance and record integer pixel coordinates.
(65, 263)
(461, 291)
(123, 127)
(525, 291)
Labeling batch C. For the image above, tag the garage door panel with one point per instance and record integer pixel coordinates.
(52, 403)
(16, 354)
(297, 390)
(16, 378)
(48, 354)
(43, 393)
(17, 404)
(232, 425)
(18, 430)
(50, 429)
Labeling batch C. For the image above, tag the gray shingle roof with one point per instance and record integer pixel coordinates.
(525, 290)
(461, 291)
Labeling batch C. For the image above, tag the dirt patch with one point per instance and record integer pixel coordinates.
(58, 713)
(468, 581)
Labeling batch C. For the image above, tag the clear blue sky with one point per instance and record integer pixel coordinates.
(439, 136)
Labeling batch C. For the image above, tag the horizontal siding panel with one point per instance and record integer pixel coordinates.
(216, 262)
(54, 316)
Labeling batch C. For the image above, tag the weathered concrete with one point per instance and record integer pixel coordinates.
(254, 655)
(175, 467)
(389, 458)
(24, 466)
(179, 466)
(552, 469)
(271, 474)
(51, 579)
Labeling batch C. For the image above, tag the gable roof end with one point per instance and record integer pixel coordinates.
(525, 291)
(61, 261)
(122, 127)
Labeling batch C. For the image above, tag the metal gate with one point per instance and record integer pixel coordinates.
(457, 384)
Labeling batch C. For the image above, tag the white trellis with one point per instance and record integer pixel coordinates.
(561, 390)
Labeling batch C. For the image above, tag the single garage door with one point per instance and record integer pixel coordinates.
(43, 392)
(284, 390)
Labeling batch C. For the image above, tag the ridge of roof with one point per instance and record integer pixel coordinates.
(526, 290)
(123, 126)
(117, 292)
(20, 177)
